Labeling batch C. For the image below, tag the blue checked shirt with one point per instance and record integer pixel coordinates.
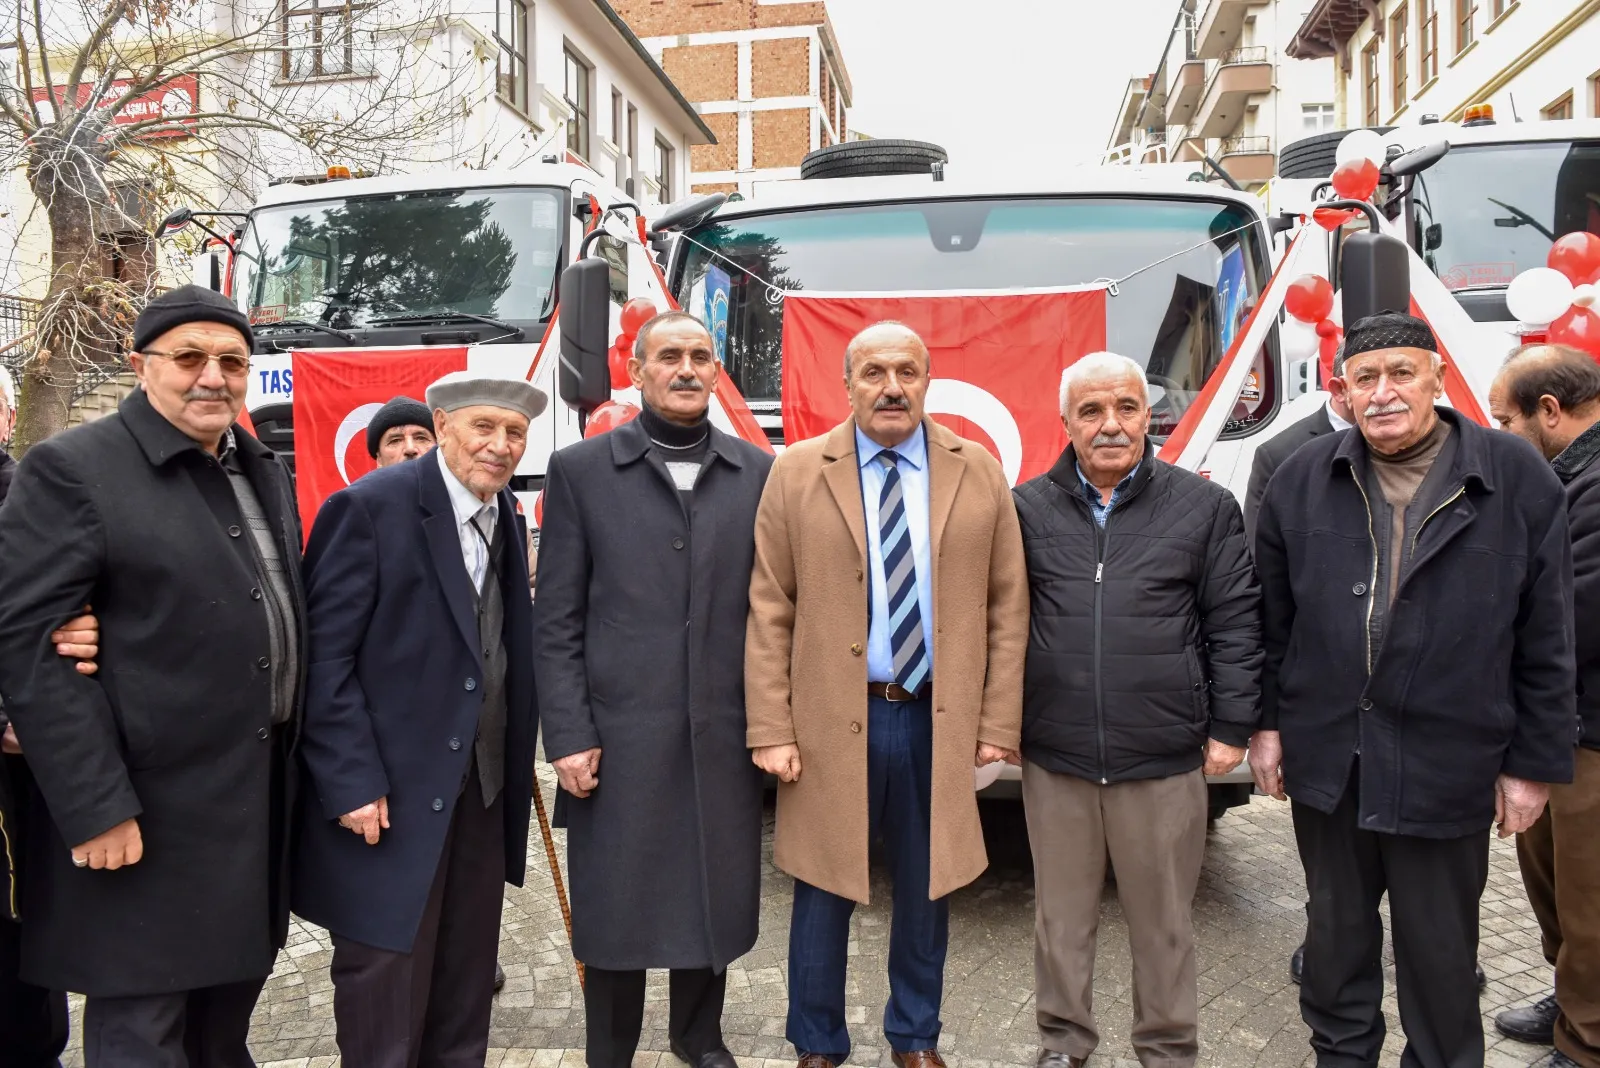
(1092, 495)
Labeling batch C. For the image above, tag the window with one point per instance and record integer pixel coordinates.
(317, 38)
(1594, 91)
(633, 142)
(663, 173)
(1315, 118)
(511, 66)
(1465, 10)
(1369, 80)
(1398, 57)
(619, 137)
(577, 97)
(1428, 39)
(1560, 109)
(1496, 9)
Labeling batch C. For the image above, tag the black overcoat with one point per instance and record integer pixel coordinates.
(131, 516)
(641, 613)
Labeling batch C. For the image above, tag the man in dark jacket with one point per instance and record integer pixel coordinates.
(1550, 395)
(420, 727)
(1417, 605)
(1143, 671)
(647, 544)
(156, 867)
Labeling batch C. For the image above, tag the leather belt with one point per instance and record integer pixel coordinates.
(893, 691)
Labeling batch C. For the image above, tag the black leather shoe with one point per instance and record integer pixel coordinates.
(1483, 980)
(1297, 962)
(1049, 1058)
(499, 977)
(1534, 1023)
(1557, 1059)
(717, 1058)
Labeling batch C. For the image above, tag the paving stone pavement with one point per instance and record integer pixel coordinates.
(1248, 919)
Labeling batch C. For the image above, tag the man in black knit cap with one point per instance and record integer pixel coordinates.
(402, 430)
(649, 535)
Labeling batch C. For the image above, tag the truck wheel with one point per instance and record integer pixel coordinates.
(861, 159)
(1312, 157)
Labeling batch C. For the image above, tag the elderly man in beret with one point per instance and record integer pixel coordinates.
(401, 430)
(1420, 686)
(420, 726)
(155, 879)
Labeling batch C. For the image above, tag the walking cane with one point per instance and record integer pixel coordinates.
(555, 869)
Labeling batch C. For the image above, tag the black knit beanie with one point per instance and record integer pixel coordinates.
(188, 304)
(401, 411)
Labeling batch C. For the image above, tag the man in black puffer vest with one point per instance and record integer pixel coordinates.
(1143, 675)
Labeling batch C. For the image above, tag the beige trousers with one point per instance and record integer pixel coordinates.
(1154, 833)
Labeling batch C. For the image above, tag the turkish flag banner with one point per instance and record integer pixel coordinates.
(336, 394)
(997, 360)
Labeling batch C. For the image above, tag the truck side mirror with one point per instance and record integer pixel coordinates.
(1374, 275)
(584, 378)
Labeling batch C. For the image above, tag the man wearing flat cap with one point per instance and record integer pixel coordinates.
(419, 734)
(401, 430)
(1417, 614)
(156, 875)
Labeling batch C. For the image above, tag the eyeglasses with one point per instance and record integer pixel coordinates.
(231, 364)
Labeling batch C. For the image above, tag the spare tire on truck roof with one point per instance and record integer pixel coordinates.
(863, 159)
(1312, 157)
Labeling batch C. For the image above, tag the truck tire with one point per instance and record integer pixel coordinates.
(861, 159)
(1312, 157)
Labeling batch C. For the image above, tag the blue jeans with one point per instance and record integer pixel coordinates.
(899, 789)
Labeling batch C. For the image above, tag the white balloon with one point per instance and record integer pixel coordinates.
(1584, 296)
(1539, 296)
(1360, 144)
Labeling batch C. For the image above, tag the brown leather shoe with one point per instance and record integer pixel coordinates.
(815, 1060)
(922, 1058)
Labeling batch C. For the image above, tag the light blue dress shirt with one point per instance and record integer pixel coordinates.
(913, 468)
(1092, 495)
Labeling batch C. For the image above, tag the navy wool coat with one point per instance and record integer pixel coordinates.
(393, 697)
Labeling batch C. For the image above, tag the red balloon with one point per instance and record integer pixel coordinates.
(1577, 255)
(1330, 219)
(1310, 298)
(609, 416)
(538, 510)
(635, 314)
(1580, 328)
(1327, 348)
(1356, 180)
(617, 362)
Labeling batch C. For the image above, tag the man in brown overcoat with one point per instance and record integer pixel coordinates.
(887, 631)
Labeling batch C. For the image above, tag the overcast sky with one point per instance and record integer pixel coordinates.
(1034, 80)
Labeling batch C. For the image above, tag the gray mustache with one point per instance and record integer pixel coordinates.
(889, 404)
(686, 385)
(1105, 441)
(1385, 409)
(206, 393)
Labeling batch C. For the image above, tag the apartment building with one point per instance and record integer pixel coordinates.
(1397, 61)
(1224, 87)
(768, 78)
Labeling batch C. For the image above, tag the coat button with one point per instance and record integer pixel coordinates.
(455, 743)
(1359, 588)
(255, 593)
(855, 650)
(1365, 705)
(858, 574)
(263, 663)
(471, 684)
(234, 532)
(263, 734)
(438, 805)
(1199, 685)
(855, 728)
(677, 543)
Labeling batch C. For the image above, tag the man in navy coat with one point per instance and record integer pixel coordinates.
(420, 727)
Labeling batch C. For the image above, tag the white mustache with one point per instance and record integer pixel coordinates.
(205, 393)
(1106, 441)
(1385, 409)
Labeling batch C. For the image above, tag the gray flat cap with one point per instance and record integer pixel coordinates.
(463, 389)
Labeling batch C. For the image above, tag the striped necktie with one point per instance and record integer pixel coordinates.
(911, 665)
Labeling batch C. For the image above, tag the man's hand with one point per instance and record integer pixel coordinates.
(993, 754)
(780, 760)
(9, 743)
(1518, 804)
(579, 773)
(1266, 763)
(79, 639)
(369, 821)
(1221, 757)
(112, 849)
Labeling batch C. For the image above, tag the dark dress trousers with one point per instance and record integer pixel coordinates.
(395, 691)
(1270, 456)
(175, 729)
(642, 610)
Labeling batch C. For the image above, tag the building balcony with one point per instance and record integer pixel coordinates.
(1231, 82)
(1220, 25)
(1250, 160)
(1188, 82)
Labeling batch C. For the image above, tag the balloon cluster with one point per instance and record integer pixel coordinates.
(1310, 300)
(1355, 175)
(635, 314)
(1560, 298)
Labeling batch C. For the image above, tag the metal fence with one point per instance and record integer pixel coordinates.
(17, 318)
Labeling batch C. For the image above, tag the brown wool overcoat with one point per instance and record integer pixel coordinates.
(805, 650)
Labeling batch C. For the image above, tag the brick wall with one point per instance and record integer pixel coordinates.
(781, 67)
(782, 138)
(724, 155)
(717, 187)
(704, 72)
(664, 18)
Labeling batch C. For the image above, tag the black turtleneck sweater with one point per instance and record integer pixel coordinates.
(681, 448)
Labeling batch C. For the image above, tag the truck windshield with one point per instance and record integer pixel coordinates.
(490, 252)
(1203, 264)
(1485, 213)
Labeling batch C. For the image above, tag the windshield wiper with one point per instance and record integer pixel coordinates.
(301, 324)
(515, 332)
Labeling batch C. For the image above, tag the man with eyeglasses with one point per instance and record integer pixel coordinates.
(156, 871)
